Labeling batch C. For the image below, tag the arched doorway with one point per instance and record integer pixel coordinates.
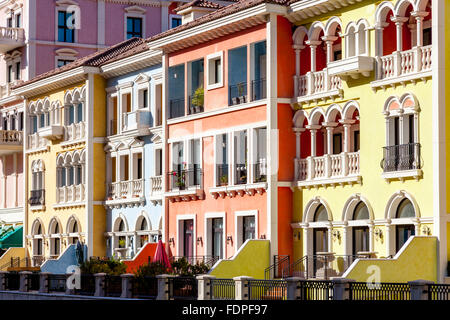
(360, 234)
(404, 231)
(55, 240)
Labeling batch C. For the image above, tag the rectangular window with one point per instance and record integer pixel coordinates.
(217, 237)
(80, 112)
(9, 22)
(34, 121)
(10, 73)
(411, 128)
(18, 20)
(222, 160)
(237, 75)
(113, 169)
(337, 143)
(66, 21)
(175, 22)
(62, 62)
(427, 36)
(134, 27)
(248, 231)
(396, 131)
(158, 162)
(356, 140)
(139, 174)
(177, 157)
(20, 128)
(18, 71)
(215, 70)
(240, 157)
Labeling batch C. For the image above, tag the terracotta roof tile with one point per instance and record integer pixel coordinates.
(200, 4)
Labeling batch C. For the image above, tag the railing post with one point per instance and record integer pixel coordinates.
(293, 288)
(310, 170)
(242, 289)
(163, 286)
(327, 164)
(3, 280)
(419, 289)
(127, 283)
(418, 59)
(23, 278)
(205, 287)
(397, 57)
(341, 288)
(100, 279)
(43, 282)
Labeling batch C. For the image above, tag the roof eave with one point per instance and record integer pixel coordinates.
(126, 65)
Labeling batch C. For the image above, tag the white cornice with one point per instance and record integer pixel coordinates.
(135, 62)
(55, 82)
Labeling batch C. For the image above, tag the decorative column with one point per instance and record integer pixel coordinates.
(399, 21)
(297, 48)
(298, 132)
(419, 15)
(329, 40)
(371, 236)
(313, 45)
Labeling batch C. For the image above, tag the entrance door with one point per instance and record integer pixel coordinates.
(217, 238)
(403, 234)
(320, 245)
(188, 250)
(360, 239)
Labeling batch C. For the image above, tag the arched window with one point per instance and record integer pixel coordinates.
(321, 214)
(55, 239)
(405, 209)
(121, 226)
(361, 212)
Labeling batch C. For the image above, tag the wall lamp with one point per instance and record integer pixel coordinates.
(199, 241)
(172, 241)
(379, 233)
(336, 235)
(229, 239)
(263, 237)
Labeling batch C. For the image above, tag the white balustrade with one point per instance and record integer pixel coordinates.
(35, 141)
(126, 189)
(8, 33)
(427, 54)
(69, 194)
(317, 82)
(12, 137)
(75, 131)
(156, 185)
(328, 166)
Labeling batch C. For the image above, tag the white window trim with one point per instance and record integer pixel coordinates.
(238, 215)
(65, 54)
(208, 237)
(179, 236)
(174, 16)
(210, 57)
(134, 12)
(63, 5)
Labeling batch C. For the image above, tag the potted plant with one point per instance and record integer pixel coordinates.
(179, 180)
(241, 87)
(122, 243)
(198, 99)
(223, 180)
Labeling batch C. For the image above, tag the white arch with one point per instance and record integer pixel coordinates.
(401, 6)
(143, 215)
(52, 224)
(349, 109)
(401, 102)
(332, 112)
(332, 25)
(68, 98)
(394, 201)
(315, 116)
(315, 30)
(350, 206)
(34, 228)
(37, 166)
(383, 10)
(298, 38)
(421, 5)
(71, 221)
(299, 119)
(310, 209)
(117, 223)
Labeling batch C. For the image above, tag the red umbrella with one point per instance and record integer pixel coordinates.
(161, 255)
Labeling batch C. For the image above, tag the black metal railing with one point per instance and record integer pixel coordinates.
(144, 288)
(267, 289)
(260, 171)
(37, 261)
(401, 157)
(238, 93)
(57, 282)
(183, 288)
(208, 260)
(113, 286)
(176, 108)
(185, 179)
(439, 292)
(280, 262)
(223, 289)
(240, 172)
(222, 175)
(37, 197)
(259, 89)
(33, 281)
(196, 104)
(316, 290)
(379, 291)
(12, 281)
(87, 285)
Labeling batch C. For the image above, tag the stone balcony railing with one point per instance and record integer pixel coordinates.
(328, 170)
(314, 86)
(5, 90)
(125, 193)
(11, 38)
(71, 194)
(11, 137)
(75, 131)
(404, 66)
(35, 141)
(137, 122)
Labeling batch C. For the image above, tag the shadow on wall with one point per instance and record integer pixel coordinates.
(66, 259)
(252, 258)
(142, 257)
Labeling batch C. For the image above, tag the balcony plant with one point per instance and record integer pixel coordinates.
(223, 180)
(198, 99)
(180, 179)
(122, 243)
(240, 88)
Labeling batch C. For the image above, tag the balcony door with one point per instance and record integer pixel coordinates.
(188, 238)
(217, 237)
(403, 232)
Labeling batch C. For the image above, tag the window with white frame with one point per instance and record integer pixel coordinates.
(175, 21)
(134, 22)
(215, 70)
(246, 224)
(65, 56)
(37, 196)
(356, 39)
(260, 155)
(13, 66)
(241, 157)
(222, 161)
(70, 169)
(215, 235)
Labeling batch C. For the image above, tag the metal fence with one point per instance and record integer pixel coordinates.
(113, 286)
(267, 289)
(183, 288)
(87, 285)
(223, 289)
(439, 292)
(12, 281)
(57, 282)
(379, 291)
(33, 281)
(316, 290)
(144, 288)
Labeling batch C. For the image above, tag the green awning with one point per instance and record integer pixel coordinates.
(11, 238)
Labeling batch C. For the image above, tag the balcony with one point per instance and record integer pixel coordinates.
(11, 141)
(71, 194)
(185, 185)
(176, 108)
(259, 89)
(35, 142)
(196, 103)
(238, 93)
(156, 190)
(75, 132)
(37, 198)
(136, 123)
(401, 162)
(352, 67)
(11, 38)
(402, 67)
(52, 132)
(328, 170)
(315, 86)
(5, 90)
(125, 194)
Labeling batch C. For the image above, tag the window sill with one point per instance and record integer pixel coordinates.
(37, 207)
(402, 175)
(241, 190)
(190, 194)
(69, 205)
(123, 203)
(328, 182)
